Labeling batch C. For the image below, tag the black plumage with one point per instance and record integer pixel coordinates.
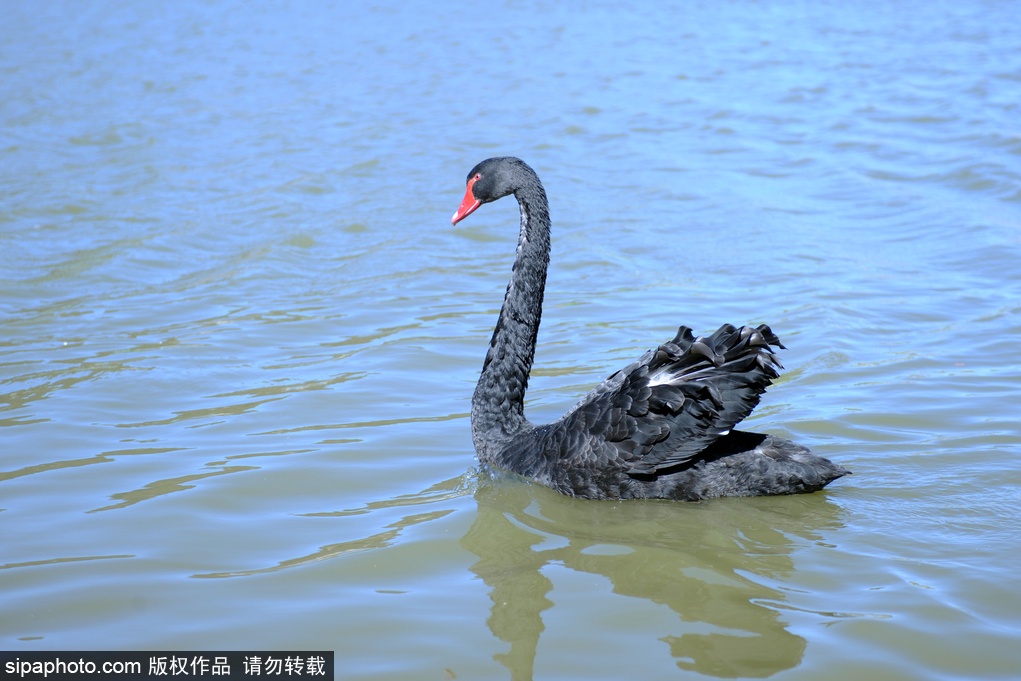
(661, 427)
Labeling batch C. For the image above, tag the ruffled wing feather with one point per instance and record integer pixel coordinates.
(661, 411)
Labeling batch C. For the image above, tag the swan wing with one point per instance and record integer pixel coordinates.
(662, 410)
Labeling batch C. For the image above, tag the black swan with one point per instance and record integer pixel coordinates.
(661, 427)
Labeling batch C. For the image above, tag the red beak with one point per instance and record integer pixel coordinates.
(468, 204)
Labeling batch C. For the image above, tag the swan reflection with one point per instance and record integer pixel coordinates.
(708, 563)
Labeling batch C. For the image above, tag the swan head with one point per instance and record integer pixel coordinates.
(490, 180)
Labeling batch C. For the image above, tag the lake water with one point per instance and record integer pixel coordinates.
(240, 335)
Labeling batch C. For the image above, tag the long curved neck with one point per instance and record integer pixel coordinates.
(498, 406)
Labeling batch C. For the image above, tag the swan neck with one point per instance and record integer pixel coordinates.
(498, 403)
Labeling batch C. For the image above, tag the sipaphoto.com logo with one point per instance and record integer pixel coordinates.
(138, 665)
(60, 667)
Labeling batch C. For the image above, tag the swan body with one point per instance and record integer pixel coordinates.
(661, 427)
